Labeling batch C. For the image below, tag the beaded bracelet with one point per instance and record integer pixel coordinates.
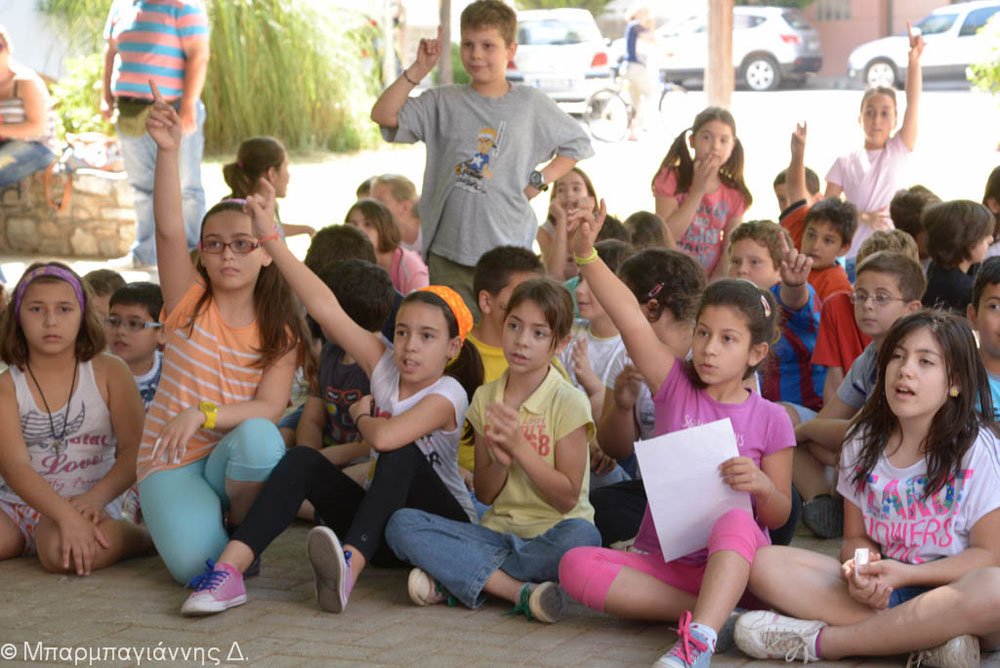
(587, 259)
(274, 236)
(411, 81)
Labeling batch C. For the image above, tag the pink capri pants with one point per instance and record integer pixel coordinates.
(586, 573)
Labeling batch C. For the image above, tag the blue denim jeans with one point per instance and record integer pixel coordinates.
(139, 156)
(19, 159)
(463, 556)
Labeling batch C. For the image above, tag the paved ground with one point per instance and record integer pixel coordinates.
(134, 606)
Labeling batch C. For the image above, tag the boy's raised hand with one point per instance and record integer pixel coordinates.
(163, 123)
(260, 208)
(799, 139)
(795, 266)
(428, 54)
(916, 41)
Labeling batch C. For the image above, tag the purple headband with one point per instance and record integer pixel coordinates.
(46, 270)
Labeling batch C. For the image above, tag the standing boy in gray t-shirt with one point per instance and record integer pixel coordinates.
(484, 144)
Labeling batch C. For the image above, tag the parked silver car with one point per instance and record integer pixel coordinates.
(952, 42)
(561, 52)
(770, 44)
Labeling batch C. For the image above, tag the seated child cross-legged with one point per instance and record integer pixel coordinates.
(735, 322)
(531, 432)
(64, 405)
(920, 478)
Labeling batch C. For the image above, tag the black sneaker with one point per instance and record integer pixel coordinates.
(824, 516)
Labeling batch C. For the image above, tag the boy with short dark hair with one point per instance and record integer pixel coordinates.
(365, 292)
(959, 234)
(830, 226)
(905, 210)
(984, 313)
(889, 285)
(136, 335)
(485, 144)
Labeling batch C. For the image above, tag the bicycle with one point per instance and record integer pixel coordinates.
(609, 112)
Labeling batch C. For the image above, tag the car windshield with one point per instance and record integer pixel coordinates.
(552, 32)
(936, 23)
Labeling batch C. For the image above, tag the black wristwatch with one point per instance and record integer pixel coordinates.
(537, 180)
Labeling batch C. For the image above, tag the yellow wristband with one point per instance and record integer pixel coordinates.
(211, 412)
(586, 259)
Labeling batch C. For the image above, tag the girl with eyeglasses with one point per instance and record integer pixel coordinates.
(65, 407)
(234, 338)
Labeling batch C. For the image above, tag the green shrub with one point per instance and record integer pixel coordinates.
(77, 96)
(986, 75)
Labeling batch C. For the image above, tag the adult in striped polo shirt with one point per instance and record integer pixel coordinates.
(165, 41)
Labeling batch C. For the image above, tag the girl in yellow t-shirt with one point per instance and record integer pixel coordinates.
(532, 464)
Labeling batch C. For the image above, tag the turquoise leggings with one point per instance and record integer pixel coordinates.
(183, 507)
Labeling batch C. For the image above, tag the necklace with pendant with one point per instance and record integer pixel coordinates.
(58, 440)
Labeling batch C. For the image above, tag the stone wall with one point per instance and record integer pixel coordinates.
(97, 222)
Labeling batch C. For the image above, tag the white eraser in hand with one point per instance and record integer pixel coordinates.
(861, 556)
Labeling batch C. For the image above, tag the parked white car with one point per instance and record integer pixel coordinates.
(770, 44)
(561, 52)
(952, 42)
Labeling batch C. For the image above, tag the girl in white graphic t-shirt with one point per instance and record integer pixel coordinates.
(70, 421)
(920, 477)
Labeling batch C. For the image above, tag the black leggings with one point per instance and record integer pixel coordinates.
(403, 479)
(618, 511)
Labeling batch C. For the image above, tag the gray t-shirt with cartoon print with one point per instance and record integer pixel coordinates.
(480, 151)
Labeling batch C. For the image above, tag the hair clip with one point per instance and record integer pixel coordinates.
(656, 289)
(234, 200)
(767, 307)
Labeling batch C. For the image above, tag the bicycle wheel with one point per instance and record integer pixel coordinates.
(607, 115)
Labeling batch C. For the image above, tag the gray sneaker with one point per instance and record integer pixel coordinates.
(959, 652)
(332, 567)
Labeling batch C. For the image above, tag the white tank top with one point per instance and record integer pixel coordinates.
(82, 450)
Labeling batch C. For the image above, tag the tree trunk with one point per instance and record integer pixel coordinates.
(444, 67)
(720, 77)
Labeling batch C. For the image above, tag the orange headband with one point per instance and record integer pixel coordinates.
(457, 305)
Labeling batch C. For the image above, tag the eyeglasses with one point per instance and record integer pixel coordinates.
(132, 324)
(879, 298)
(238, 246)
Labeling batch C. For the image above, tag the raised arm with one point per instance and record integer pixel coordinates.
(650, 357)
(387, 106)
(795, 268)
(795, 175)
(914, 86)
(318, 299)
(177, 272)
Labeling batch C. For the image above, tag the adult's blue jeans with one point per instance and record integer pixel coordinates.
(19, 159)
(463, 556)
(139, 156)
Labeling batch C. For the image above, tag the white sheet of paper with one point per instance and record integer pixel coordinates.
(686, 494)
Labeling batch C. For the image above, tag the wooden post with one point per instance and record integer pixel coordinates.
(444, 67)
(720, 78)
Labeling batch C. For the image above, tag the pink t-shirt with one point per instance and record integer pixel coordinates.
(869, 180)
(703, 239)
(409, 272)
(762, 428)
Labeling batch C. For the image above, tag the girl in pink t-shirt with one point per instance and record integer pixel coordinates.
(406, 269)
(869, 177)
(701, 199)
(735, 325)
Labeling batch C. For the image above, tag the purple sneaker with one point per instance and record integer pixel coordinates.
(332, 566)
(219, 588)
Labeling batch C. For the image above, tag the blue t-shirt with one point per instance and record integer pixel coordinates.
(995, 391)
(790, 374)
(632, 32)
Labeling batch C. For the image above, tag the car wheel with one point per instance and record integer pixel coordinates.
(761, 73)
(880, 73)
